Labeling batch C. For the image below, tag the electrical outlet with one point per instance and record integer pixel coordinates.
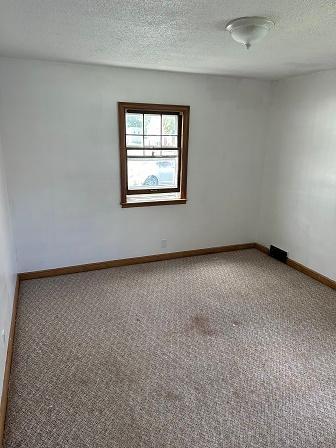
(163, 244)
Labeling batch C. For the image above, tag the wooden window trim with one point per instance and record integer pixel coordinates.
(184, 112)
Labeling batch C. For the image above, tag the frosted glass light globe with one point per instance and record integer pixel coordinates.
(248, 30)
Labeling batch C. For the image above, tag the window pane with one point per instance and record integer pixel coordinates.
(134, 141)
(169, 124)
(169, 141)
(152, 124)
(135, 152)
(160, 152)
(134, 124)
(152, 173)
(169, 152)
(153, 141)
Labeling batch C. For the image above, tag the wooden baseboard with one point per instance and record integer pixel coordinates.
(4, 396)
(170, 256)
(304, 269)
(313, 274)
(130, 261)
(261, 248)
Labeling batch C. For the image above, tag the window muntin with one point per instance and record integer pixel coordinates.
(153, 150)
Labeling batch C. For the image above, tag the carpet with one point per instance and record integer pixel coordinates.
(232, 350)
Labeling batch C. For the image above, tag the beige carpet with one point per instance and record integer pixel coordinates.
(231, 350)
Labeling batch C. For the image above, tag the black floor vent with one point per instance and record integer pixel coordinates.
(279, 254)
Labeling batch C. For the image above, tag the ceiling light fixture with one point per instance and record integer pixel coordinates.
(248, 30)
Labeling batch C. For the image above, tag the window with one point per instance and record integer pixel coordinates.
(153, 154)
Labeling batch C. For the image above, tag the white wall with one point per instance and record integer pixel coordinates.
(7, 269)
(59, 127)
(299, 188)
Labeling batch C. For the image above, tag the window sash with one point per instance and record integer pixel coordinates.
(153, 150)
(156, 189)
(161, 134)
(156, 148)
(167, 148)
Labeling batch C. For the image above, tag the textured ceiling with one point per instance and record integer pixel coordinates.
(179, 35)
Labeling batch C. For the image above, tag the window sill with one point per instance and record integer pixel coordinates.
(147, 200)
(154, 202)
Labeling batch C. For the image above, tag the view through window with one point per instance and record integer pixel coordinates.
(152, 150)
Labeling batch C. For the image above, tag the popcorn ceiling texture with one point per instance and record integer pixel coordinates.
(231, 350)
(171, 35)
